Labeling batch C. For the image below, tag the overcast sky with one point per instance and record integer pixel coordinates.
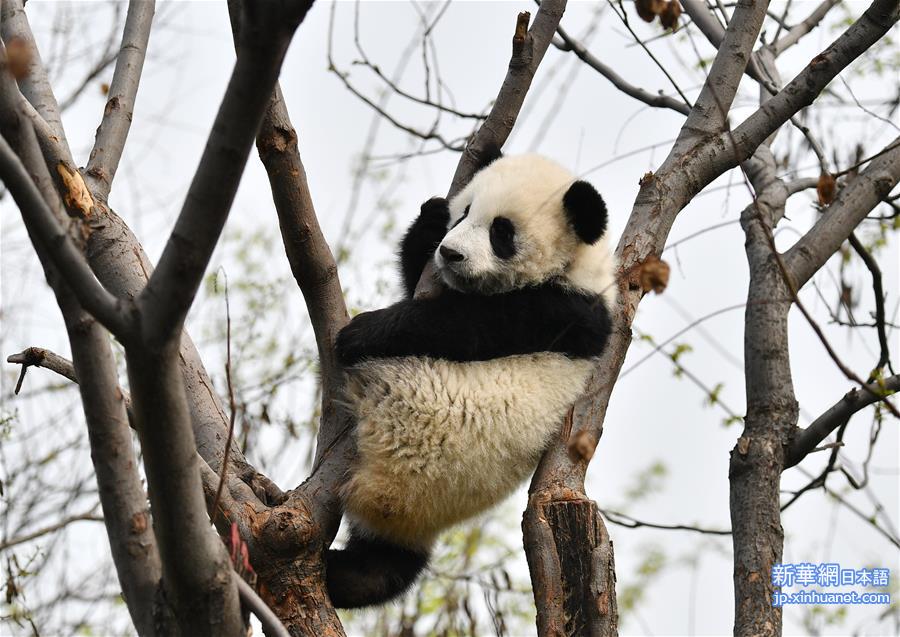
(577, 118)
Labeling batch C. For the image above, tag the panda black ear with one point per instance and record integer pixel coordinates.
(586, 211)
(487, 156)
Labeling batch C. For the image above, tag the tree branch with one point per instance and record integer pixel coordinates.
(528, 49)
(113, 130)
(35, 85)
(654, 100)
(87, 516)
(68, 259)
(850, 207)
(169, 293)
(836, 415)
(806, 86)
(884, 356)
(710, 110)
(794, 35)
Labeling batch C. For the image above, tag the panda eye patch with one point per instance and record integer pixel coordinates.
(464, 215)
(503, 234)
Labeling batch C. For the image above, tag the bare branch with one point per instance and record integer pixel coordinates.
(657, 101)
(87, 516)
(850, 207)
(705, 20)
(884, 356)
(113, 130)
(622, 519)
(311, 261)
(853, 401)
(40, 357)
(528, 51)
(806, 86)
(710, 111)
(265, 36)
(793, 36)
(271, 625)
(35, 85)
(68, 259)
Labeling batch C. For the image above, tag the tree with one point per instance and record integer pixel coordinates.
(174, 573)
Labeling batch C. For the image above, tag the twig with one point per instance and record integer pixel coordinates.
(657, 101)
(622, 519)
(231, 405)
(67, 258)
(837, 415)
(87, 516)
(624, 18)
(271, 625)
(780, 45)
(113, 129)
(884, 357)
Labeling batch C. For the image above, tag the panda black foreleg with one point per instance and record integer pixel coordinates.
(421, 240)
(371, 571)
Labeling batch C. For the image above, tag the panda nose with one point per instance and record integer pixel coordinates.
(450, 254)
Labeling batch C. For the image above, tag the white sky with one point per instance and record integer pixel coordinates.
(653, 416)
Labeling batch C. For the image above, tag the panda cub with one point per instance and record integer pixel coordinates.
(456, 397)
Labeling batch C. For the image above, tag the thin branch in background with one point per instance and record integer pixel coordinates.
(622, 519)
(782, 21)
(67, 258)
(797, 32)
(864, 109)
(657, 100)
(231, 405)
(884, 357)
(380, 108)
(871, 520)
(837, 416)
(866, 160)
(657, 347)
(624, 18)
(87, 516)
(711, 393)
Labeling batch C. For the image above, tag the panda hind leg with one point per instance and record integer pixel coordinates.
(370, 571)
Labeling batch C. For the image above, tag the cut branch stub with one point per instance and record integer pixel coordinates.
(571, 555)
(520, 36)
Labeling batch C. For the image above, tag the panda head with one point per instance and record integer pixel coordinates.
(525, 220)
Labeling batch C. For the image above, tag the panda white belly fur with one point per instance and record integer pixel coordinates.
(441, 441)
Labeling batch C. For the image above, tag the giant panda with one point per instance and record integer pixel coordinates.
(457, 396)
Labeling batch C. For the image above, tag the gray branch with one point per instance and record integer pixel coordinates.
(853, 401)
(854, 201)
(35, 85)
(87, 516)
(710, 111)
(68, 259)
(113, 130)
(794, 35)
(650, 99)
(169, 293)
(806, 86)
(528, 49)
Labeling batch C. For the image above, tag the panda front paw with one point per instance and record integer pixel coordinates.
(353, 342)
(436, 209)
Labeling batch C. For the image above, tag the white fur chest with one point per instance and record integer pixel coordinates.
(441, 441)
